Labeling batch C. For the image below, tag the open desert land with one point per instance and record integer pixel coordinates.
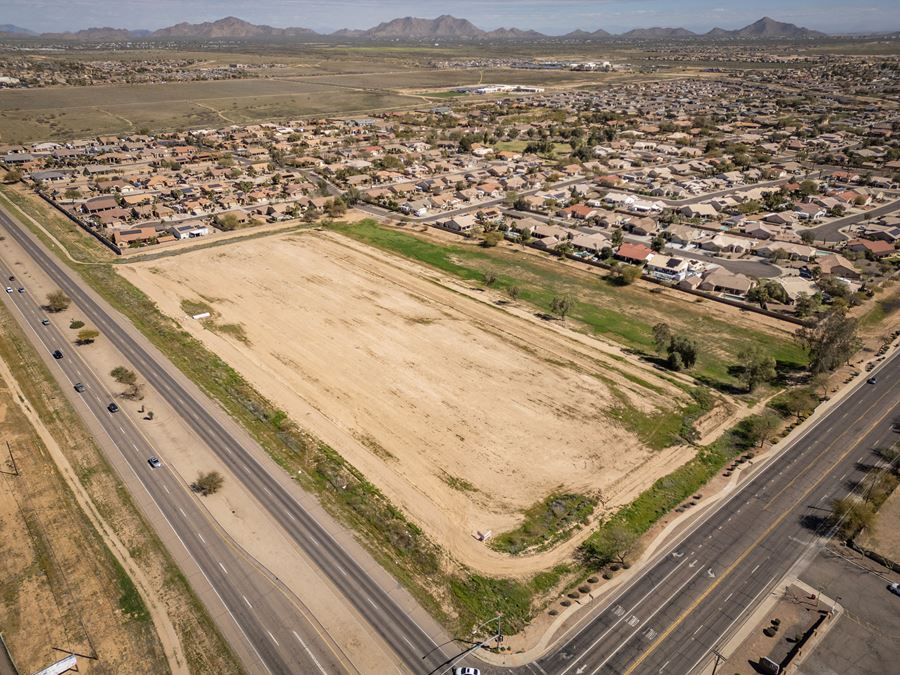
(463, 413)
(70, 112)
(80, 569)
(60, 587)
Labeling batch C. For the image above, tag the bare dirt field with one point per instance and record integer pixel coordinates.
(883, 537)
(462, 413)
(59, 586)
(66, 112)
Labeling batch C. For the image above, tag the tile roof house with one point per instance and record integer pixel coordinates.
(837, 265)
(878, 249)
(635, 254)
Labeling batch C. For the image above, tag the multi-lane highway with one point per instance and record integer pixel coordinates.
(667, 619)
(278, 635)
(702, 586)
(373, 602)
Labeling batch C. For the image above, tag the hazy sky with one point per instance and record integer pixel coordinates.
(548, 16)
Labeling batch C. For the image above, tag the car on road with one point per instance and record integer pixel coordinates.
(466, 670)
(872, 380)
(113, 408)
(79, 387)
(21, 290)
(154, 462)
(57, 354)
(894, 588)
(9, 289)
(45, 322)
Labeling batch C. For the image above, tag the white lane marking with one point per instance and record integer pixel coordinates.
(316, 541)
(223, 567)
(311, 655)
(616, 623)
(844, 476)
(699, 628)
(663, 667)
(273, 638)
(201, 537)
(343, 571)
(166, 489)
(182, 512)
(268, 491)
(406, 640)
(729, 597)
(754, 569)
(371, 602)
(247, 601)
(290, 516)
(752, 603)
(660, 608)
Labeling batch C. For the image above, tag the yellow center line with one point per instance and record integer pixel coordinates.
(662, 636)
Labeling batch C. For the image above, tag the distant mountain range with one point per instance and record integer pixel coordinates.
(15, 30)
(409, 28)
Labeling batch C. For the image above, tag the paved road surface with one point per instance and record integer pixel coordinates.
(682, 606)
(670, 617)
(376, 604)
(829, 231)
(275, 628)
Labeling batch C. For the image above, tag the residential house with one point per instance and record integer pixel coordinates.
(721, 280)
(837, 265)
(877, 249)
(665, 268)
(634, 254)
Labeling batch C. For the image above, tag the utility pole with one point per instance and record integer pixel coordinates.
(497, 636)
(12, 460)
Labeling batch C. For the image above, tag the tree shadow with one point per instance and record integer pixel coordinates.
(718, 385)
(814, 522)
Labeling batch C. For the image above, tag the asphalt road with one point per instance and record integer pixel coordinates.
(700, 588)
(830, 231)
(667, 619)
(374, 603)
(275, 629)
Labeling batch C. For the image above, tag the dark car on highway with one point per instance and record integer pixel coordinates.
(113, 408)
(57, 354)
(79, 387)
(154, 463)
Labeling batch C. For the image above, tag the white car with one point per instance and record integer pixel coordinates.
(894, 588)
(466, 670)
(8, 289)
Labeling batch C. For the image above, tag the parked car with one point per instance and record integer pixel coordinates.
(57, 354)
(894, 588)
(79, 387)
(154, 463)
(466, 670)
(113, 408)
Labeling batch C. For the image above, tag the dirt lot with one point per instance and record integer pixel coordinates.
(883, 537)
(59, 585)
(59, 582)
(462, 413)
